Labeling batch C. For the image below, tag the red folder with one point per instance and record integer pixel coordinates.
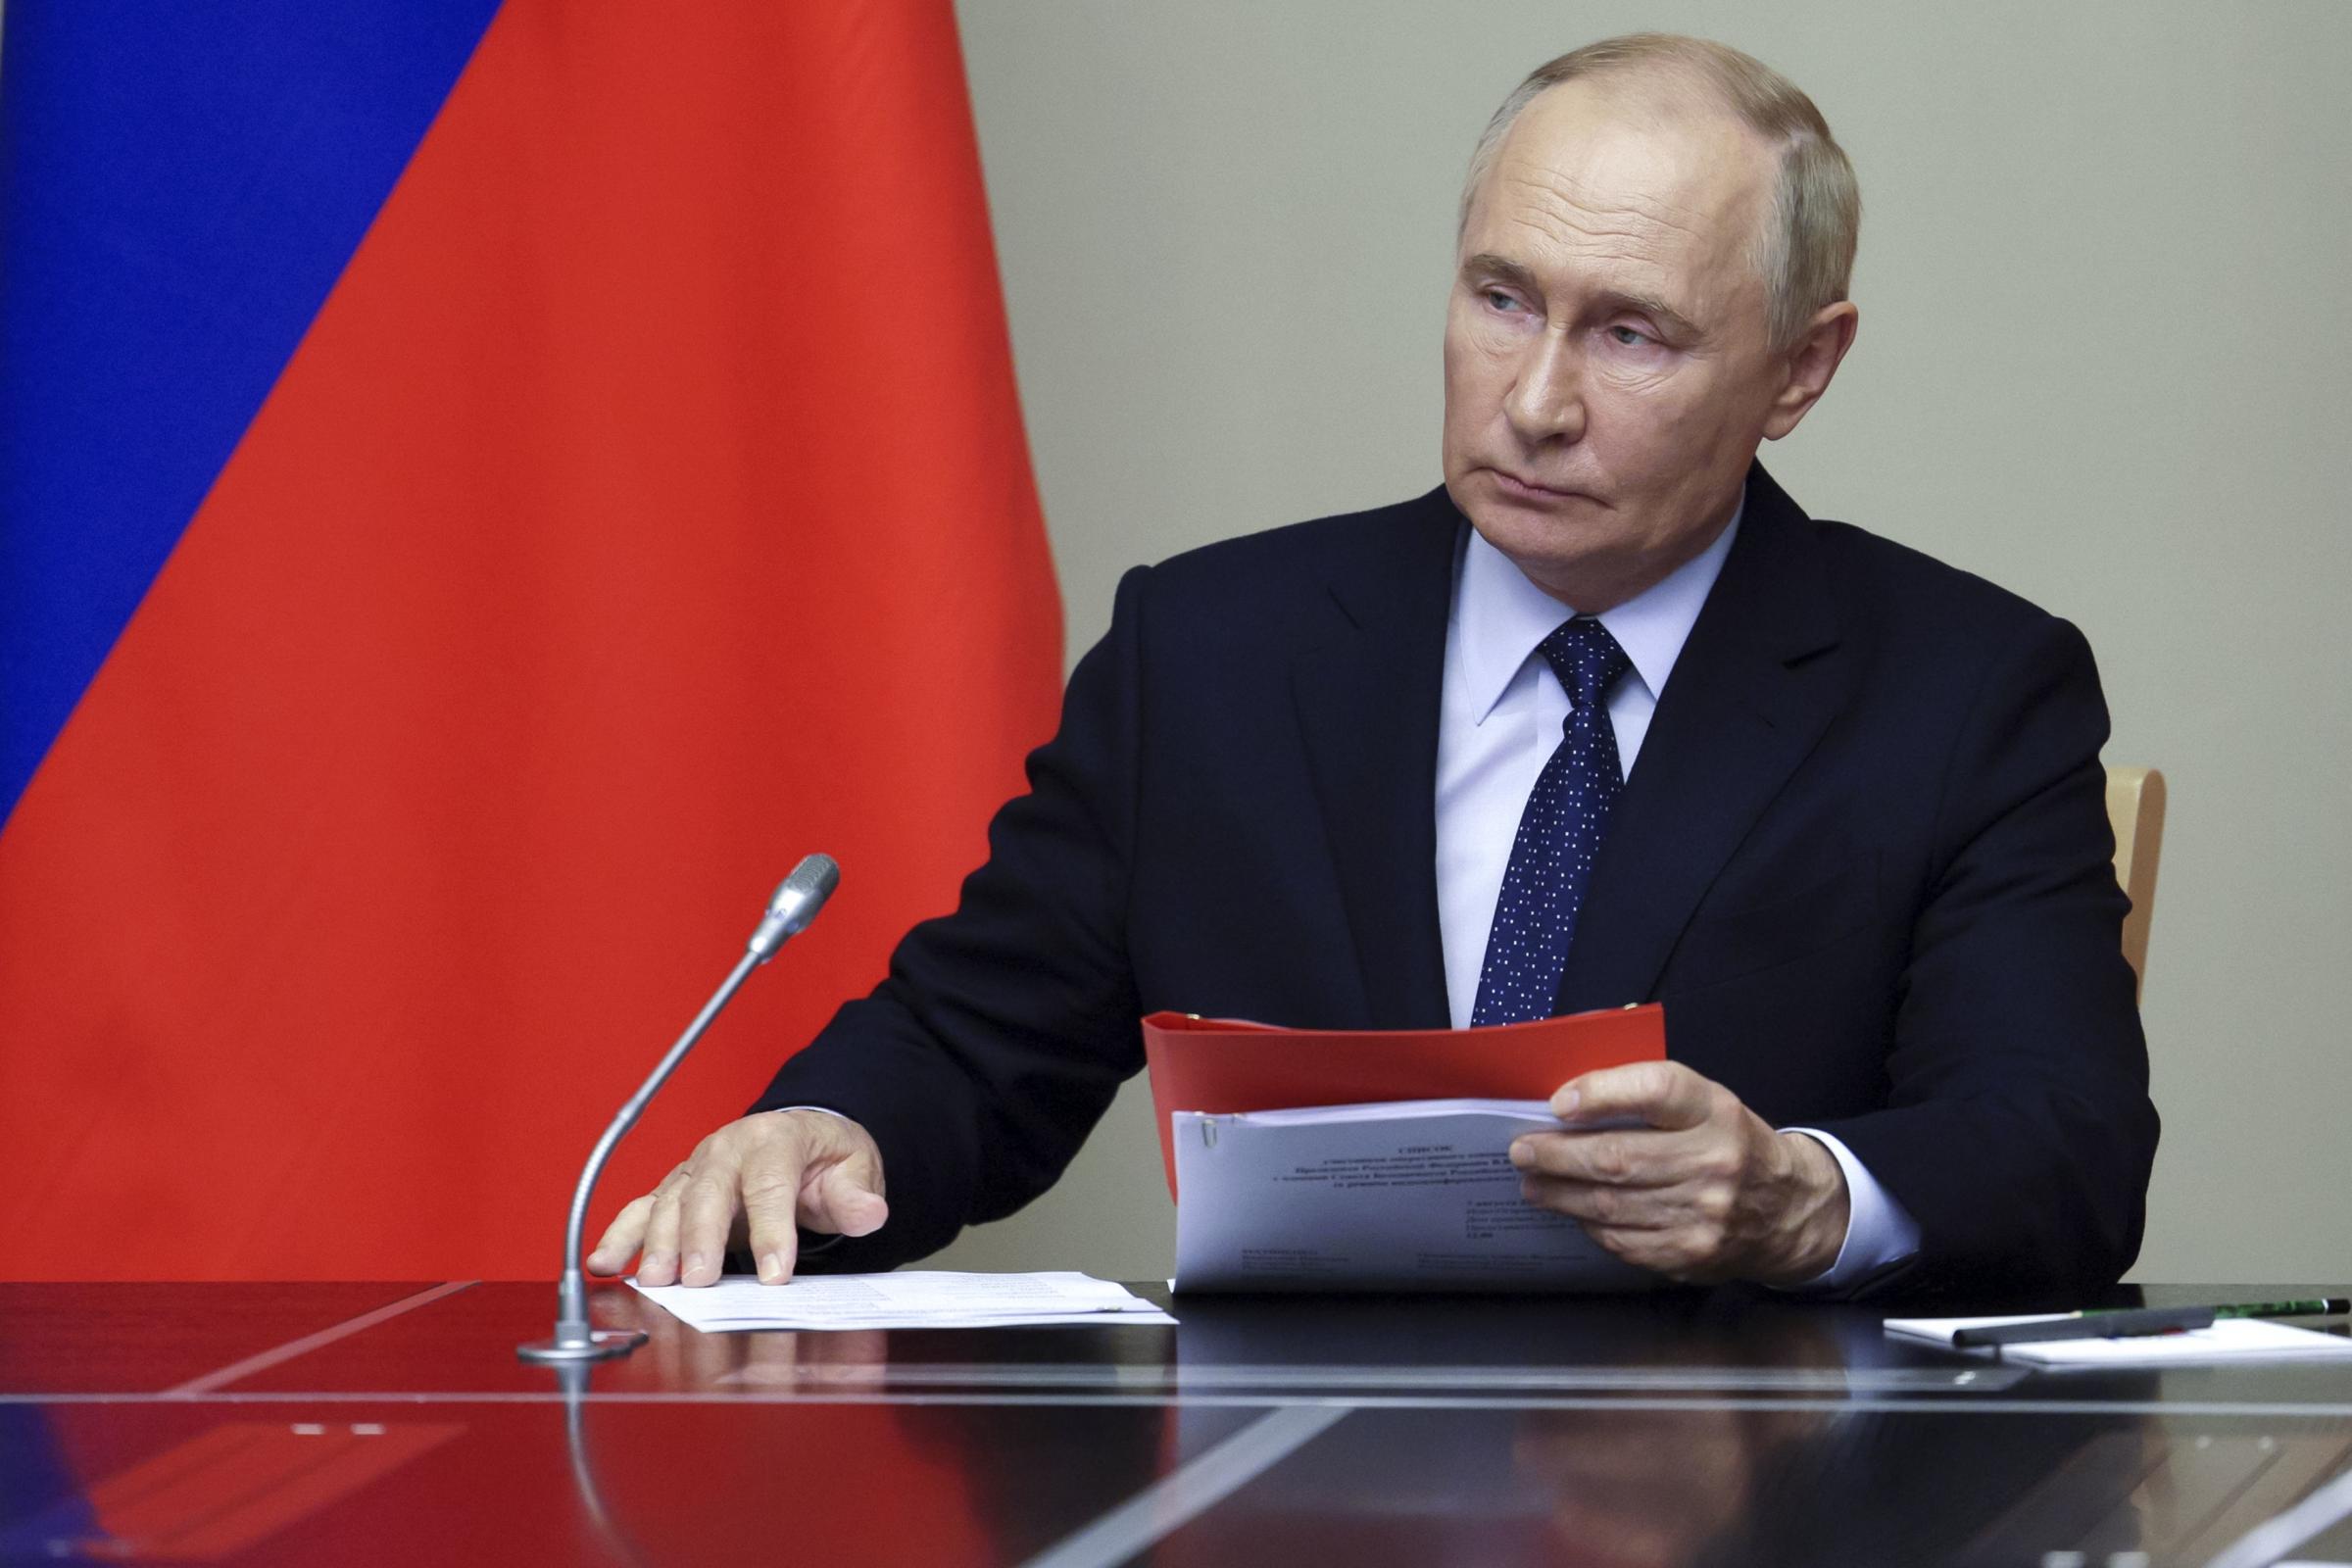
(1221, 1065)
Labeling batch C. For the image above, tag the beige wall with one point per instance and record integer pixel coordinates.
(2106, 360)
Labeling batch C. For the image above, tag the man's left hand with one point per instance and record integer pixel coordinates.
(1701, 1190)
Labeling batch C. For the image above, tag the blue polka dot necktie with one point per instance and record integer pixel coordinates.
(1559, 834)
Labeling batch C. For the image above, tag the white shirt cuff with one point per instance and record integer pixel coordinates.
(1879, 1230)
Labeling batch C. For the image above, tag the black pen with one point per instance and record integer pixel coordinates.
(2126, 1323)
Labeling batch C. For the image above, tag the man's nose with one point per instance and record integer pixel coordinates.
(1547, 400)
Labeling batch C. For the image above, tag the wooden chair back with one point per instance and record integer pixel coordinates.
(2136, 810)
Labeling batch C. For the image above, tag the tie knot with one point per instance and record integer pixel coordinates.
(1586, 657)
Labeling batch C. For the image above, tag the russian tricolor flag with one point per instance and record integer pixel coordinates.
(484, 486)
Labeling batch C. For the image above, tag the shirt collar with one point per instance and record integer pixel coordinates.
(1499, 618)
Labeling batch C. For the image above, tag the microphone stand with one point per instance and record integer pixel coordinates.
(795, 904)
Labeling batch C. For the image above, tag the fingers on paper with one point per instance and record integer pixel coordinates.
(1661, 1093)
(808, 1169)
(1607, 1208)
(774, 1171)
(845, 1193)
(657, 1257)
(771, 1186)
(1629, 1157)
(618, 1244)
(707, 1207)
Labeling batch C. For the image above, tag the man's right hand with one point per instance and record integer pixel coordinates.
(754, 1180)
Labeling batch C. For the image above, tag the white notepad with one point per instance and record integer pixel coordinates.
(912, 1299)
(2231, 1339)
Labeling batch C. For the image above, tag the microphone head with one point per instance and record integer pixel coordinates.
(797, 900)
(801, 895)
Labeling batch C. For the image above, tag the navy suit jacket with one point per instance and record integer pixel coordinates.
(1863, 858)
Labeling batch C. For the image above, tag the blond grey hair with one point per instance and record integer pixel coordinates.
(1805, 254)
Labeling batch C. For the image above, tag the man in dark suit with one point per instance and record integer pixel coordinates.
(1606, 718)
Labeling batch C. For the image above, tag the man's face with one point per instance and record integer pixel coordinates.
(1608, 366)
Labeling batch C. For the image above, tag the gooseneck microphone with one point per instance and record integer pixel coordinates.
(789, 912)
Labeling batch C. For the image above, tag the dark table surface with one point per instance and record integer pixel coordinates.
(354, 1423)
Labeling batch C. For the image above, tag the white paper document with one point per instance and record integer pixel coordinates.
(1398, 1195)
(914, 1300)
(2231, 1339)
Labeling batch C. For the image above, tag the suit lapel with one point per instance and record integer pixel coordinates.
(1367, 701)
(1754, 687)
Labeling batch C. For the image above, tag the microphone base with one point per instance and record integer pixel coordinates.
(600, 1344)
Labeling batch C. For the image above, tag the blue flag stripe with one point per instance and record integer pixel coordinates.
(181, 185)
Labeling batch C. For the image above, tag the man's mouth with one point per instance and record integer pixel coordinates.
(1512, 484)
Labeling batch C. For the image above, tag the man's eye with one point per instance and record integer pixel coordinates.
(1497, 299)
(1629, 337)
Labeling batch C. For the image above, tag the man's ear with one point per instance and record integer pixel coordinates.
(1809, 366)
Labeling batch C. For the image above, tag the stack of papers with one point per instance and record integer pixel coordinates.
(2231, 1339)
(1397, 1196)
(904, 1301)
(1222, 1065)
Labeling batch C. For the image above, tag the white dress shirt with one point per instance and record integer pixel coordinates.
(1498, 722)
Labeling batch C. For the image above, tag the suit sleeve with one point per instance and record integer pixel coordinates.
(2019, 1132)
(1004, 1029)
